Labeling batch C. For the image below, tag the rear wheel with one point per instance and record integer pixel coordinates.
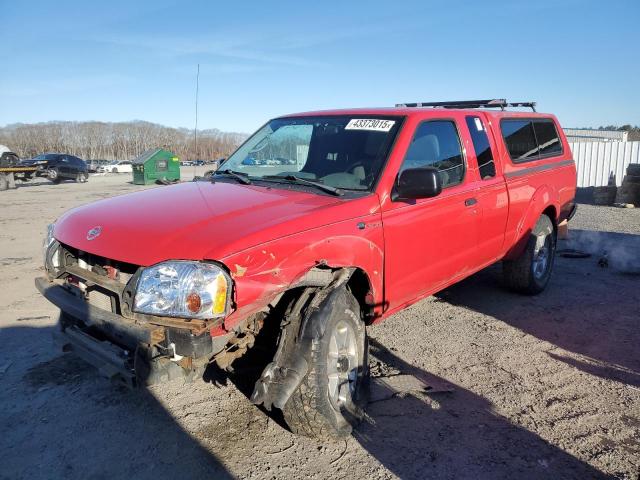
(81, 177)
(530, 272)
(331, 397)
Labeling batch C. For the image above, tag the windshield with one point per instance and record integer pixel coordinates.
(345, 152)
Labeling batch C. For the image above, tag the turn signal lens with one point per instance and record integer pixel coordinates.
(220, 299)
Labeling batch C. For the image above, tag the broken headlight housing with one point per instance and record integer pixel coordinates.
(183, 289)
(50, 252)
(48, 240)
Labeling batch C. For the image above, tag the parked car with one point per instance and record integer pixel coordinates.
(375, 210)
(214, 164)
(59, 166)
(96, 166)
(120, 167)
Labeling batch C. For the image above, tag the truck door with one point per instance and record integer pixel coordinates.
(492, 196)
(430, 241)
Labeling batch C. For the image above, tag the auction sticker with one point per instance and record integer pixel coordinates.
(374, 124)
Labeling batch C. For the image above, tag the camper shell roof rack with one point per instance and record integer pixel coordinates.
(494, 103)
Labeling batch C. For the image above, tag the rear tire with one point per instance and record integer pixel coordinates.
(81, 177)
(530, 273)
(331, 398)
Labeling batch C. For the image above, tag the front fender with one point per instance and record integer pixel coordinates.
(262, 273)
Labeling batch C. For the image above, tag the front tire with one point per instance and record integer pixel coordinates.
(331, 398)
(54, 176)
(531, 271)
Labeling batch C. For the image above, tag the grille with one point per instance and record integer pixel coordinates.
(99, 297)
(98, 265)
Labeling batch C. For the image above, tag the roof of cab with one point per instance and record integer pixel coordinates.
(410, 111)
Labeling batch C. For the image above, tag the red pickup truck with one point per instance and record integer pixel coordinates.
(320, 224)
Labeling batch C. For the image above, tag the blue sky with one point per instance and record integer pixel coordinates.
(124, 60)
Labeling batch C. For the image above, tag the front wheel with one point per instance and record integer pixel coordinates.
(531, 271)
(54, 175)
(331, 398)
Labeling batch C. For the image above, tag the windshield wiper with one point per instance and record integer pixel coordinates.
(303, 181)
(240, 176)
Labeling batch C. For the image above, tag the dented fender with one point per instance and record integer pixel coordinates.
(263, 272)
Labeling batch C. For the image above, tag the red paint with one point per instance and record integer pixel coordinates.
(268, 237)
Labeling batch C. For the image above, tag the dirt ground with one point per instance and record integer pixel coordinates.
(522, 387)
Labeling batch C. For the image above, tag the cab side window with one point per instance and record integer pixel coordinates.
(481, 145)
(436, 143)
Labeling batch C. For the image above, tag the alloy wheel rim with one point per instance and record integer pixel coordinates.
(541, 256)
(342, 363)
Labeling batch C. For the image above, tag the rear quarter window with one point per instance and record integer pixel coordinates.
(547, 137)
(520, 139)
(530, 139)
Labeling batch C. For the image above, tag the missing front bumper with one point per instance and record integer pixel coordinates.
(130, 353)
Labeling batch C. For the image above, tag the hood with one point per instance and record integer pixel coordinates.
(198, 220)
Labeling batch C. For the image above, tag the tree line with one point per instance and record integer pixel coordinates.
(116, 141)
(634, 132)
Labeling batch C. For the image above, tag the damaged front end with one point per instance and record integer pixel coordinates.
(99, 324)
(304, 323)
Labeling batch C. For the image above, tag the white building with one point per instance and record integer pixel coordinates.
(588, 135)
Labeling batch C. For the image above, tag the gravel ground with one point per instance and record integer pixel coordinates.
(520, 387)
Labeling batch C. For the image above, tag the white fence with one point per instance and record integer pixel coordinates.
(596, 161)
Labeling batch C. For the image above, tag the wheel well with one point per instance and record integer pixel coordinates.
(550, 212)
(360, 287)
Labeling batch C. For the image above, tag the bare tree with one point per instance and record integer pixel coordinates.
(115, 141)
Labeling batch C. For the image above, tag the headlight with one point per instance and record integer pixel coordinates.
(183, 289)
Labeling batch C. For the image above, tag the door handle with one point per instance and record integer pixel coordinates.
(470, 202)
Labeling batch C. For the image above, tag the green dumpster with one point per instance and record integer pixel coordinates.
(155, 164)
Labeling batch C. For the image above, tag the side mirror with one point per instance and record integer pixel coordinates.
(414, 183)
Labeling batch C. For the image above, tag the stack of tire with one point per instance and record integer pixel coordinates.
(605, 195)
(629, 192)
